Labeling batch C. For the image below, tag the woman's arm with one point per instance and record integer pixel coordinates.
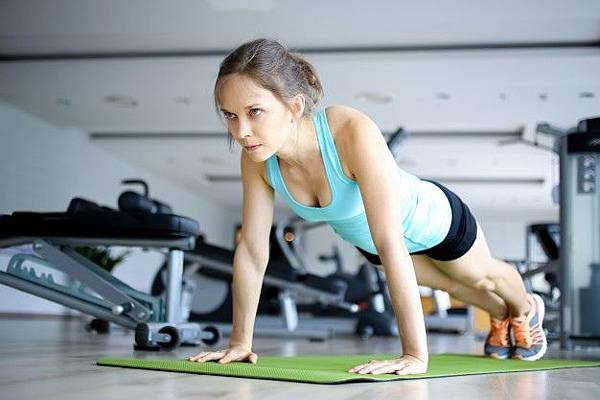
(249, 264)
(375, 170)
(252, 253)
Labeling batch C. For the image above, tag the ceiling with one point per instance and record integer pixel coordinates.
(460, 76)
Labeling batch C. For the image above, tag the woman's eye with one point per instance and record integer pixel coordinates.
(228, 115)
(255, 112)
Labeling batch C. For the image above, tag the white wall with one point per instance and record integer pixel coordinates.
(42, 167)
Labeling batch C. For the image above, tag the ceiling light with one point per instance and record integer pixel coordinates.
(442, 96)
(374, 97)
(586, 95)
(543, 96)
(121, 101)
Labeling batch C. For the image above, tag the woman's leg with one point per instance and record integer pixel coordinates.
(479, 270)
(429, 275)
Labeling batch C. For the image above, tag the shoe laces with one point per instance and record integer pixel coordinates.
(525, 334)
(522, 332)
(499, 332)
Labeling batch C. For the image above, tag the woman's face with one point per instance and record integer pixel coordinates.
(256, 119)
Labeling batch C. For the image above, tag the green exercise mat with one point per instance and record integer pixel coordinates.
(332, 369)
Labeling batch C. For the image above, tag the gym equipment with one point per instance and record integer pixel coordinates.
(367, 288)
(545, 237)
(579, 199)
(579, 151)
(332, 368)
(216, 262)
(48, 241)
(335, 300)
(130, 201)
(394, 142)
(445, 317)
(282, 285)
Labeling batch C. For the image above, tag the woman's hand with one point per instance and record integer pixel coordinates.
(234, 353)
(404, 365)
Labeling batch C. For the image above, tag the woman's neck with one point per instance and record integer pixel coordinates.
(301, 146)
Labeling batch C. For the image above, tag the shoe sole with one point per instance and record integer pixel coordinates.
(498, 356)
(541, 310)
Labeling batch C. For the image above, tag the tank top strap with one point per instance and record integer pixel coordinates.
(274, 175)
(331, 159)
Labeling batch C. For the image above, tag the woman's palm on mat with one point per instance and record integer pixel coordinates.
(404, 365)
(227, 355)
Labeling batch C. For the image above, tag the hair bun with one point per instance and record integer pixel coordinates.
(273, 67)
(307, 69)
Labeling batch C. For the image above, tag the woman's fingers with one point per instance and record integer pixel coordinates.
(357, 368)
(207, 356)
(198, 356)
(399, 367)
(232, 355)
(385, 369)
(225, 356)
(361, 366)
(253, 358)
(367, 368)
(373, 366)
(239, 356)
(194, 358)
(405, 371)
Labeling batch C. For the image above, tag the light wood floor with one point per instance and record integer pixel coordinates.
(55, 359)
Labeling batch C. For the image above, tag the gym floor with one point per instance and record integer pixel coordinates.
(55, 359)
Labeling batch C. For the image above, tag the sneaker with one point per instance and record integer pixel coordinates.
(497, 343)
(530, 339)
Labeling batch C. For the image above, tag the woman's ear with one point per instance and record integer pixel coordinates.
(297, 105)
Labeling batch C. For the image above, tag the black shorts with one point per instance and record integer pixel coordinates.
(460, 237)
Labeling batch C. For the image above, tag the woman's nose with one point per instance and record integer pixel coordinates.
(241, 130)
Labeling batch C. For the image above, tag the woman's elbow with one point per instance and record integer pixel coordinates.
(258, 256)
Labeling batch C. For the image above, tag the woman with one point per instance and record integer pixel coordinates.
(335, 166)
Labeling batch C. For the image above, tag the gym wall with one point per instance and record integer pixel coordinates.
(45, 166)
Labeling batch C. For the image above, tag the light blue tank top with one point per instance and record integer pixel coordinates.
(424, 209)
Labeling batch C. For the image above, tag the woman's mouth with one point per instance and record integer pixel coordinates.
(252, 148)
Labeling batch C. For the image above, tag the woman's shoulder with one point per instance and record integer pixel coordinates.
(351, 130)
(259, 168)
(346, 122)
(341, 115)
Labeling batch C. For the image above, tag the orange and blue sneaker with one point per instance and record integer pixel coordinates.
(530, 339)
(498, 344)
